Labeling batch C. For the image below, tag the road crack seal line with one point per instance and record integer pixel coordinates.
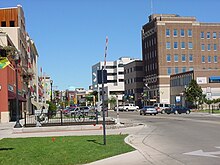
(130, 140)
(146, 137)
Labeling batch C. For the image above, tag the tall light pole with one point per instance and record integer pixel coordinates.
(148, 93)
(118, 121)
(51, 90)
(16, 58)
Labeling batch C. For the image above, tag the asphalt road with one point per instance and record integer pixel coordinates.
(192, 139)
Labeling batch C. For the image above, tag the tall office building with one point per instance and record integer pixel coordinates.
(115, 77)
(173, 44)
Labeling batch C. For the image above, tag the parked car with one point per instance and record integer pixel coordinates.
(85, 110)
(177, 110)
(148, 110)
(128, 107)
(66, 110)
(161, 107)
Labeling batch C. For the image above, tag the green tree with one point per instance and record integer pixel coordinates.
(209, 102)
(112, 101)
(194, 93)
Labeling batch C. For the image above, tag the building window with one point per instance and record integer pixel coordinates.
(120, 65)
(190, 45)
(215, 59)
(176, 70)
(190, 58)
(182, 33)
(167, 32)
(190, 68)
(111, 81)
(110, 67)
(169, 71)
(203, 59)
(183, 69)
(183, 45)
(175, 46)
(214, 35)
(209, 47)
(183, 58)
(208, 35)
(3, 24)
(215, 47)
(175, 32)
(209, 59)
(168, 58)
(175, 57)
(12, 23)
(121, 73)
(190, 33)
(168, 45)
(203, 47)
(202, 35)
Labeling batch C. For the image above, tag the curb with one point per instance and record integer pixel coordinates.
(57, 129)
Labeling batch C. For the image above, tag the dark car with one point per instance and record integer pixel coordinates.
(177, 110)
(148, 110)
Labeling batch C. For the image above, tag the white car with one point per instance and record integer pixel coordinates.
(128, 107)
(148, 110)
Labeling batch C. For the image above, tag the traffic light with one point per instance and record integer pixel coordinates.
(3, 53)
(99, 76)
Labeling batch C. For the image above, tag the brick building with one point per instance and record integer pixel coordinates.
(173, 44)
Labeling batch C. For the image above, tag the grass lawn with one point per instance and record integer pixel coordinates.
(208, 111)
(67, 150)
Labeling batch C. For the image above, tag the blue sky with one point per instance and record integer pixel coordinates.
(70, 34)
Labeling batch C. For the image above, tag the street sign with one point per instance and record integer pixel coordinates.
(178, 99)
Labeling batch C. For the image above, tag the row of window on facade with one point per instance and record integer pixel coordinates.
(183, 81)
(132, 91)
(11, 24)
(182, 45)
(184, 58)
(133, 80)
(182, 32)
(150, 43)
(190, 46)
(177, 70)
(203, 35)
(114, 66)
(115, 81)
(136, 68)
(114, 74)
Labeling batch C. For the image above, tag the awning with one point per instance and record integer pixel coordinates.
(12, 96)
(214, 78)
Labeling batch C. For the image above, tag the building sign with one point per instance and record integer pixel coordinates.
(209, 95)
(177, 99)
(201, 80)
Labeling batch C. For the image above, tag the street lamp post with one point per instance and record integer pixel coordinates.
(51, 90)
(148, 93)
(16, 58)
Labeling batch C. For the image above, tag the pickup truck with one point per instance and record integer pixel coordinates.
(128, 107)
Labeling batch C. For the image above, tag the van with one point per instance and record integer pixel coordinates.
(160, 107)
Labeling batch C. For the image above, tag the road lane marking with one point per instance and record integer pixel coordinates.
(202, 153)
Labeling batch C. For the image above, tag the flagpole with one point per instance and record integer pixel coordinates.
(103, 97)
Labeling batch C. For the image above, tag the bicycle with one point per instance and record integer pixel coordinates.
(79, 116)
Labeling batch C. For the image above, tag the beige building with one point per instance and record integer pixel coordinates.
(133, 79)
(209, 81)
(172, 44)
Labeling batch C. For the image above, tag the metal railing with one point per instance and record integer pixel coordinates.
(58, 118)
